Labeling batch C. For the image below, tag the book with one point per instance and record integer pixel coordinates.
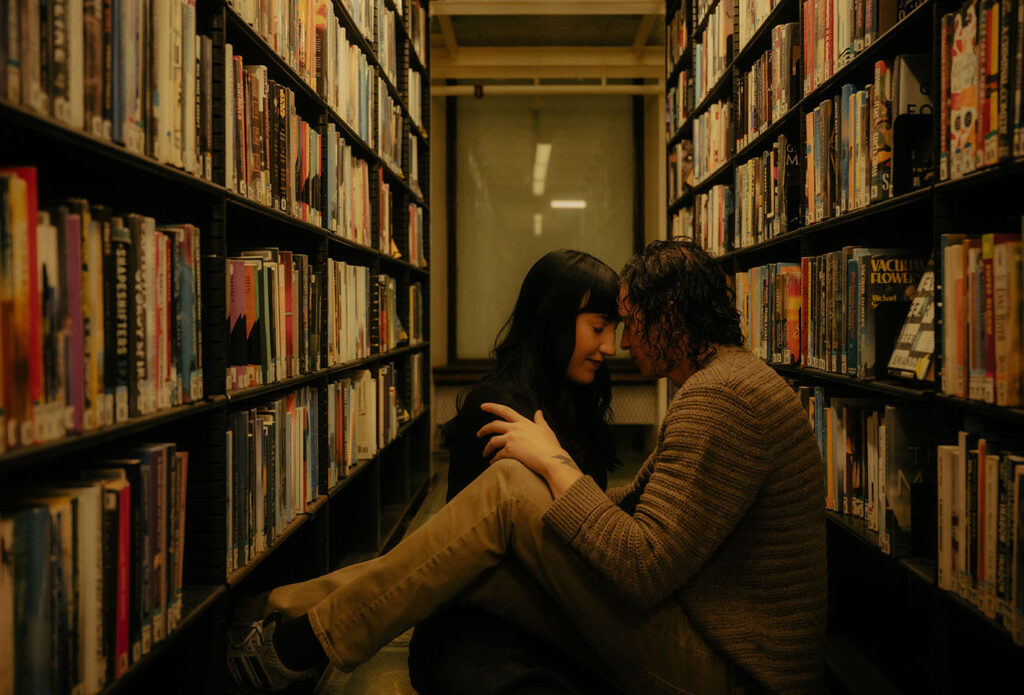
(891, 280)
(910, 485)
(912, 124)
(913, 354)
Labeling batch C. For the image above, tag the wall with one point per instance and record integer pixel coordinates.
(633, 403)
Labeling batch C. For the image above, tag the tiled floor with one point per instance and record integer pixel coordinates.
(387, 673)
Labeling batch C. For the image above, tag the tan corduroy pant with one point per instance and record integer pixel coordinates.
(489, 547)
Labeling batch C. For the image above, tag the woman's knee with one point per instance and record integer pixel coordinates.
(518, 481)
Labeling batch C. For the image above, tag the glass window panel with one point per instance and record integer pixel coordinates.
(533, 175)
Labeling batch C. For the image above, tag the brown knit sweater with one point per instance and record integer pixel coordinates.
(727, 517)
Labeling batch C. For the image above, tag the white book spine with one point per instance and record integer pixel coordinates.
(190, 50)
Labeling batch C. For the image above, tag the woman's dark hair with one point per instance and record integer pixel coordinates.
(533, 348)
(680, 299)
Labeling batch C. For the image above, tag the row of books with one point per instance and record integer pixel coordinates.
(348, 312)
(389, 128)
(836, 31)
(767, 194)
(101, 315)
(878, 469)
(384, 298)
(678, 103)
(417, 255)
(875, 464)
(866, 145)
(414, 164)
(417, 381)
(347, 205)
(416, 332)
(91, 571)
(751, 15)
(385, 228)
(772, 85)
(981, 117)
(980, 509)
(112, 75)
(364, 414)
(351, 424)
(272, 466)
(274, 299)
(982, 290)
(418, 29)
(677, 36)
(713, 51)
(274, 154)
(839, 312)
(681, 226)
(311, 39)
(680, 169)
(713, 218)
(712, 139)
(361, 12)
(702, 9)
(347, 84)
(387, 41)
(415, 96)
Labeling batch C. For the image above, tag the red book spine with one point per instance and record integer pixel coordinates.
(829, 63)
(33, 310)
(123, 591)
(76, 348)
(805, 286)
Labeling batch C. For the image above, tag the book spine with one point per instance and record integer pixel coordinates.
(988, 316)
(991, 73)
(1018, 83)
(944, 95)
(123, 639)
(76, 339)
(1004, 143)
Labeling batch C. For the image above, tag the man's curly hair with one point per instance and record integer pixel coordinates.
(682, 305)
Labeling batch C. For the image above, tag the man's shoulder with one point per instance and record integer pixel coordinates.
(733, 373)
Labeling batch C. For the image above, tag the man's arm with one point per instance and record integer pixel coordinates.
(710, 466)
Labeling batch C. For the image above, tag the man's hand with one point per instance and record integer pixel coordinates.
(532, 443)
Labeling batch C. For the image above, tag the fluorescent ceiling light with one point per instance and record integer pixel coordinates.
(540, 167)
(538, 224)
(568, 204)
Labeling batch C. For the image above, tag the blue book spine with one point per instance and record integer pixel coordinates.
(33, 597)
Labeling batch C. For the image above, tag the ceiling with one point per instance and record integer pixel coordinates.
(567, 46)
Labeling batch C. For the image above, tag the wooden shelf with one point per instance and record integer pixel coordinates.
(981, 408)
(715, 176)
(715, 91)
(891, 388)
(790, 237)
(757, 142)
(21, 457)
(918, 197)
(760, 40)
(19, 119)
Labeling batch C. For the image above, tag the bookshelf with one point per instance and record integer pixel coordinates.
(892, 627)
(336, 177)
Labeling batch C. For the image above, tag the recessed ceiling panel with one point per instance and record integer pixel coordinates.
(552, 30)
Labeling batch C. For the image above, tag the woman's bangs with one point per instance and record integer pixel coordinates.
(603, 297)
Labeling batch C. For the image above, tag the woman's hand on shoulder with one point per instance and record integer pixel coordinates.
(532, 442)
